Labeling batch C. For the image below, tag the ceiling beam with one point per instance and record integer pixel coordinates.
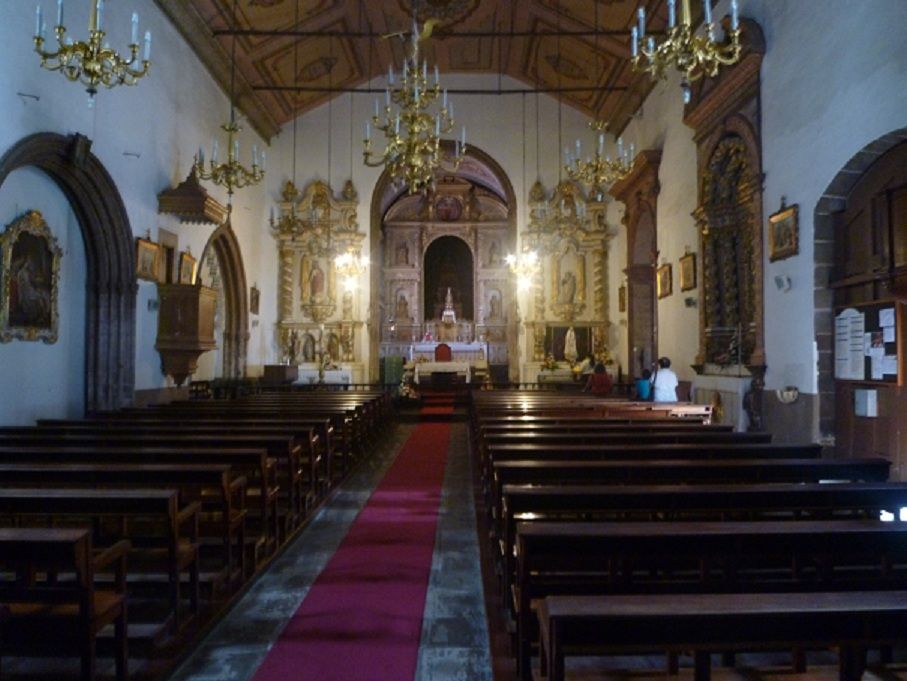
(452, 91)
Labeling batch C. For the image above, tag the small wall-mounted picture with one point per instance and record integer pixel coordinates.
(783, 233)
(688, 272)
(622, 298)
(663, 280)
(254, 298)
(147, 260)
(187, 268)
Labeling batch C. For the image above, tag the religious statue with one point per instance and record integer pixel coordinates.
(448, 316)
(570, 353)
(494, 255)
(401, 256)
(292, 347)
(567, 288)
(494, 307)
(316, 284)
(308, 348)
(402, 311)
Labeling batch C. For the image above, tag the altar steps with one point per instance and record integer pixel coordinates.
(437, 405)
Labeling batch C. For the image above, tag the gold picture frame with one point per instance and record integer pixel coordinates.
(664, 280)
(147, 260)
(30, 265)
(784, 233)
(688, 272)
(187, 268)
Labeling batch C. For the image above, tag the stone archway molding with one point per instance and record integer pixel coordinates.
(236, 298)
(834, 200)
(109, 254)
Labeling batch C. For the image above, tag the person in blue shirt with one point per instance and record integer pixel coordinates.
(644, 386)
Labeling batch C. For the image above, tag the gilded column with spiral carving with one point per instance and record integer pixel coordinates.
(286, 283)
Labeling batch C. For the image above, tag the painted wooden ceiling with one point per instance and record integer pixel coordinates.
(285, 50)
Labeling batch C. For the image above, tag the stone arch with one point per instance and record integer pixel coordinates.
(109, 254)
(225, 246)
(833, 200)
(383, 195)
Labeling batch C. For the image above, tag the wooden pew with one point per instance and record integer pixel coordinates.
(614, 624)
(676, 557)
(49, 616)
(166, 544)
(215, 487)
(253, 464)
(544, 503)
(668, 472)
(285, 450)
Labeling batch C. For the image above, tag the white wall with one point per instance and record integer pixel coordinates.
(832, 82)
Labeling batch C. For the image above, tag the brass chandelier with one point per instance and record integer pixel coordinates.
(524, 266)
(600, 170)
(92, 62)
(231, 174)
(693, 55)
(412, 150)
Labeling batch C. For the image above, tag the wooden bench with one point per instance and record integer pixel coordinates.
(167, 542)
(639, 472)
(51, 604)
(852, 622)
(676, 557)
(253, 464)
(220, 493)
(543, 503)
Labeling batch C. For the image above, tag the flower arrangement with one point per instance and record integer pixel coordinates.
(407, 391)
(327, 364)
(549, 363)
(604, 356)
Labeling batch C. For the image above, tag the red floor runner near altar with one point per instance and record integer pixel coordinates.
(437, 409)
(362, 618)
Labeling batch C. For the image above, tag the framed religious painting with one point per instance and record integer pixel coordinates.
(688, 272)
(622, 298)
(254, 299)
(147, 260)
(29, 280)
(187, 268)
(783, 233)
(663, 280)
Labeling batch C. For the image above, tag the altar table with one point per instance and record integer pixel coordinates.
(427, 368)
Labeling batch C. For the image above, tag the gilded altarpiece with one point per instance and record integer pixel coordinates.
(725, 117)
(569, 232)
(480, 219)
(317, 316)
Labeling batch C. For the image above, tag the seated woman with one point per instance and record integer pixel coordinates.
(644, 386)
(599, 381)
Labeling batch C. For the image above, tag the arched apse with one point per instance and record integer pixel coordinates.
(449, 263)
(109, 256)
(834, 200)
(480, 169)
(224, 246)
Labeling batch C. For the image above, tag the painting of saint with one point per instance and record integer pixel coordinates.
(31, 282)
(566, 288)
(494, 307)
(401, 254)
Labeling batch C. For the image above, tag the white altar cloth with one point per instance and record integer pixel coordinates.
(426, 368)
(333, 376)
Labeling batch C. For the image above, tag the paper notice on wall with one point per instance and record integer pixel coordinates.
(890, 365)
(850, 345)
(875, 366)
(888, 334)
(886, 317)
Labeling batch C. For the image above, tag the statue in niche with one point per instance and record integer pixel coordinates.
(570, 353)
(448, 285)
(308, 348)
(402, 310)
(494, 307)
(494, 255)
(292, 347)
(401, 255)
(333, 346)
(566, 288)
(316, 284)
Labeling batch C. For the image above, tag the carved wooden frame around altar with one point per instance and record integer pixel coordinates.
(37, 271)
(314, 227)
(725, 114)
(569, 231)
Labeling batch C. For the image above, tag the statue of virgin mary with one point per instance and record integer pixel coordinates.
(570, 346)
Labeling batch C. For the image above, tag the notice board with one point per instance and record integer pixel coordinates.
(869, 342)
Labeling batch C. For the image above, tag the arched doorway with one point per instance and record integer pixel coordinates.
(109, 255)
(860, 251)
(475, 203)
(223, 270)
(639, 193)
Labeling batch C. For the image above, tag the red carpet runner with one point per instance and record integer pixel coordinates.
(362, 618)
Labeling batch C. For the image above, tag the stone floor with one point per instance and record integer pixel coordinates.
(454, 642)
